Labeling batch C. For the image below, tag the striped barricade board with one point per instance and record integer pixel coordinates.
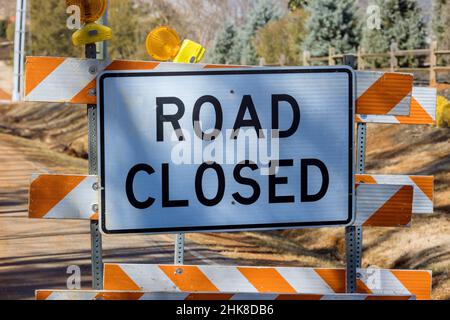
(73, 197)
(71, 80)
(136, 295)
(423, 110)
(385, 93)
(382, 205)
(286, 280)
(423, 198)
(53, 196)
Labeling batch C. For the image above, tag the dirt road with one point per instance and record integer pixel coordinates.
(35, 254)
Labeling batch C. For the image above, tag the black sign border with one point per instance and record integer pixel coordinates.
(228, 71)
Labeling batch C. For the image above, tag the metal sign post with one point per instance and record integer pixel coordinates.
(353, 234)
(96, 237)
(179, 248)
(19, 50)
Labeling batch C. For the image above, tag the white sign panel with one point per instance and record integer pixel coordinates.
(224, 150)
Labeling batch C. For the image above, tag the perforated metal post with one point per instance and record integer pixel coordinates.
(353, 235)
(19, 50)
(96, 237)
(179, 249)
(96, 256)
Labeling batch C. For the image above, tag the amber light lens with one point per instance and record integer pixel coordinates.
(163, 43)
(90, 10)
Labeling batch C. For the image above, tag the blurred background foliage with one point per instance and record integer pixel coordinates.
(279, 41)
(402, 23)
(246, 31)
(49, 33)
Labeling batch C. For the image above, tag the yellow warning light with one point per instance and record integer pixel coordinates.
(163, 43)
(90, 10)
(91, 33)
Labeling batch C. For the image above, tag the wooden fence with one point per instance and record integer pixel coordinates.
(431, 65)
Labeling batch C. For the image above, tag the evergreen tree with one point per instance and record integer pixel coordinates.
(297, 4)
(401, 23)
(222, 50)
(441, 22)
(264, 11)
(332, 24)
(50, 35)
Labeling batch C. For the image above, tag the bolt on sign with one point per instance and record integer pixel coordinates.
(225, 150)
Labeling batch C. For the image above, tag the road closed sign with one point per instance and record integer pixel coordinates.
(225, 149)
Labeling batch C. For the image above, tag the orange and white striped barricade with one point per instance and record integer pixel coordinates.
(423, 110)
(423, 198)
(75, 196)
(286, 280)
(380, 200)
(70, 80)
(190, 296)
(386, 93)
(53, 196)
(383, 205)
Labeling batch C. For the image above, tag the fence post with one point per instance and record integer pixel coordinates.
(306, 56)
(392, 53)
(331, 54)
(360, 56)
(433, 63)
(282, 60)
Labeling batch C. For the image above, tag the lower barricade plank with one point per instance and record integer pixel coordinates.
(288, 280)
(133, 295)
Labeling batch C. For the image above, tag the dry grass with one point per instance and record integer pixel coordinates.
(6, 75)
(39, 152)
(61, 127)
(422, 150)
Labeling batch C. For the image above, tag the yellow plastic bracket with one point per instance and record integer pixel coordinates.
(91, 33)
(190, 52)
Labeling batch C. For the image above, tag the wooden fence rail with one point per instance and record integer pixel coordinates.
(432, 53)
